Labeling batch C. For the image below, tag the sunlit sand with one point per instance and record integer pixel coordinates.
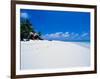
(43, 54)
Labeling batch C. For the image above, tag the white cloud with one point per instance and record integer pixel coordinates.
(74, 36)
(24, 15)
(84, 34)
(67, 36)
(57, 35)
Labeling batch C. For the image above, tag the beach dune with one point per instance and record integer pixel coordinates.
(43, 54)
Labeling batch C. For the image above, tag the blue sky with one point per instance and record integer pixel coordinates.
(60, 25)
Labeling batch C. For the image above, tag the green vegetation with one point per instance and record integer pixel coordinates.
(26, 28)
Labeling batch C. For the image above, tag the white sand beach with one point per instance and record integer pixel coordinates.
(43, 54)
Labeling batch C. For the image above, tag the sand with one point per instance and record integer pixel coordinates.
(43, 54)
